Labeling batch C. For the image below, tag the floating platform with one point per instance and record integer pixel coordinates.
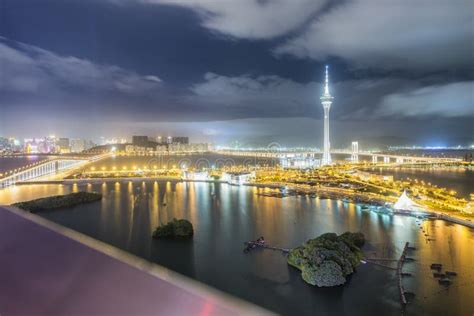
(436, 266)
(445, 281)
(260, 243)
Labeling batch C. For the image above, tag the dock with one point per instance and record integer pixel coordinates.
(260, 243)
(400, 274)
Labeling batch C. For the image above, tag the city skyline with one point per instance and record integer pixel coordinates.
(237, 157)
(189, 68)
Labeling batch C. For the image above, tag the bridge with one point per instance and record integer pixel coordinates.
(47, 167)
(376, 156)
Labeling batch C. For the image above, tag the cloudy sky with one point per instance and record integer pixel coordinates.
(402, 71)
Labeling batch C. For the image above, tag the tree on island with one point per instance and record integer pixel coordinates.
(59, 201)
(328, 259)
(177, 228)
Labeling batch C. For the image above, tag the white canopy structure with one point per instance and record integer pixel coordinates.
(405, 203)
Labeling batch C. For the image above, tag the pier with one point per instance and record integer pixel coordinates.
(260, 243)
(400, 274)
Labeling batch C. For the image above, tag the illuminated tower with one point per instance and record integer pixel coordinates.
(326, 100)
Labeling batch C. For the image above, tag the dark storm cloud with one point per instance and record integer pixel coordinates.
(250, 19)
(450, 100)
(31, 70)
(273, 96)
(403, 34)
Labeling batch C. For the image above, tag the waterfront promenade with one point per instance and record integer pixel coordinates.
(47, 269)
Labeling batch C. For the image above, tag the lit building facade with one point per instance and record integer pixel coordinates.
(238, 178)
(355, 152)
(299, 161)
(78, 145)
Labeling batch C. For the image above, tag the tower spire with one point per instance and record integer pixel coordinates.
(326, 86)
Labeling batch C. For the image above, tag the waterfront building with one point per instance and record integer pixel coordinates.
(367, 176)
(299, 161)
(238, 178)
(189, 148)
(326, 100)
(196, 175)
(161, 149)
(134, 149)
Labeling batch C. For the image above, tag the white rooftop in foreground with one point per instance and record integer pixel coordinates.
(47, 269)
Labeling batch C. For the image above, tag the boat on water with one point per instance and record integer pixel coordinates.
(451, 273)
(436, 266)
(254, 244)
(444, 281)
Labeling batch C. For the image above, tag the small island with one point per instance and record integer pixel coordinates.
(328, 259)
(58, 201)
(177, 228)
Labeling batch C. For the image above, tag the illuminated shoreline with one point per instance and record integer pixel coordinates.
(319, 191)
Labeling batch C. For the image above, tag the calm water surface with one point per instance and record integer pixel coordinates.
(225, 216)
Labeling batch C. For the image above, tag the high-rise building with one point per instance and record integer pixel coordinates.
(63, 144)
(180, 140)
(355, 152)
(140, 141)
(326, 100)
(78, 145)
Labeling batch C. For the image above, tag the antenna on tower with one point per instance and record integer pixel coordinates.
(326, 87)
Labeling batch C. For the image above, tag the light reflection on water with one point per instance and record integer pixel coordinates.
(225, 216)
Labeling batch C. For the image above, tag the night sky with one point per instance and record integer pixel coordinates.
(402, 72)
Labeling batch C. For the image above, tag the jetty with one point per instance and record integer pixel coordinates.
(400, 263)
(260, 243)
(400, 274)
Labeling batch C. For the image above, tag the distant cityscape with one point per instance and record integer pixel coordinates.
(63, 145)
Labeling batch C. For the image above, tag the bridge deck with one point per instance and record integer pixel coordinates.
(48, 269)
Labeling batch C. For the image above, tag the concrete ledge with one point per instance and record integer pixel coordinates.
(50, 269)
